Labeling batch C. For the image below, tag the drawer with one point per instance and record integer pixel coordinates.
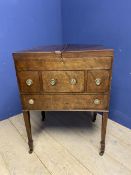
(65, 102)
(39, 62)
(63, 81)
(98, 81)
(28, 81)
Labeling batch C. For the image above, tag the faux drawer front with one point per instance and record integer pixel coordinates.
(63, 81)
(29, 81)
(71, 63)
(98, 81)
(65, 102)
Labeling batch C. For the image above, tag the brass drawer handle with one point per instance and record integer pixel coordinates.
(97, 101)
(53, 82)
(98, 81)
(31, 101)
(73, 81)
(29, 82)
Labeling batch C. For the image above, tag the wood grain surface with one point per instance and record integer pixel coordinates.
(63, 81)
(104, 78)
(51, 70)
(65, 102)
(23, 76)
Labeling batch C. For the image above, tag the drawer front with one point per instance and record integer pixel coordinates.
(73, 63)
(98, 81)
(63, 81)
(65, 102)
(28, 81)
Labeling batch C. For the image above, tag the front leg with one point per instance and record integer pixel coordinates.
(26, 115)
(103, 132)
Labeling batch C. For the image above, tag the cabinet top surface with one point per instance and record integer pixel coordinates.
(67, 48)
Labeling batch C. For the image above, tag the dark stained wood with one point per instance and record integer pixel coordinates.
(44, 56)
(68, 57)
(64, 102)
(63, 81)
(69, 49)
(103, 132)
(85, 63)
(84, 50)
(103, 76)
(26, 115)
(44, 49)
(23, 76)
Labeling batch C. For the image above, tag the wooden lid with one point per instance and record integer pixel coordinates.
(68, 50)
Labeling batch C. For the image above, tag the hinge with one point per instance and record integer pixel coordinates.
(60, 53)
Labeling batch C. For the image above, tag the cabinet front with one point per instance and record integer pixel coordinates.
(63, 81)
(29, 81)
(98, 81)
(65, 102)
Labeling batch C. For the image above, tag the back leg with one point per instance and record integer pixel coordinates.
(94, 116)
(43, 115)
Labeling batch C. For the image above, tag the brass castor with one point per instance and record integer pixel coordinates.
(102, 149)
(43, 115)
(30, 151)
(101, 153)
(30, 146)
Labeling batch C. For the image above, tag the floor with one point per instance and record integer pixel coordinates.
(66, 144)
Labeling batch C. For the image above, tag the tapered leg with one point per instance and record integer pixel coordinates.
(43, 115)
(94, 116)
(103, 132)
(26, 115)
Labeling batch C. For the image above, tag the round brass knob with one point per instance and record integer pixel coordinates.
(31, 101)
(73, 81)
(53, 82)
(98, 81)
(29, 82)
(97, 101)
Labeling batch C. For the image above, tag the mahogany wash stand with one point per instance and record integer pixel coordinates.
(65, 78)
